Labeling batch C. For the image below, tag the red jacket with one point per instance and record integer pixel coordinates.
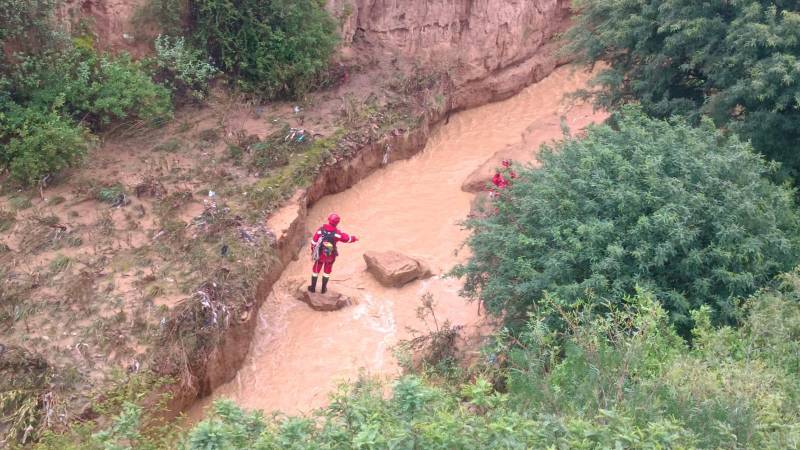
(339, 236)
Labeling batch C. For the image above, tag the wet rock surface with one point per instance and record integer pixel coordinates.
(394, 269)
(329, 301)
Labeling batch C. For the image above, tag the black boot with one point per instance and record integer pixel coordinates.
(313, 286)
(324, 285)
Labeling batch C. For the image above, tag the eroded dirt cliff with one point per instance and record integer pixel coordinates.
(491, 47)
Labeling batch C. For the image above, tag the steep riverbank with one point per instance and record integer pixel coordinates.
(297, 356)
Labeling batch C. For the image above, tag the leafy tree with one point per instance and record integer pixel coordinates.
(684, 212)
(277, 47)
(735, 60)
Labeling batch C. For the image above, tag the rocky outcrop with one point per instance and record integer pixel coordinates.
(393, 269)
(490, 48)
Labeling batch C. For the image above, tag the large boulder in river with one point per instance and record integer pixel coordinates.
(394, 269)
(329, 301)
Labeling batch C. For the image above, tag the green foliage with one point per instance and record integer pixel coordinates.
(45, 98)
(182, 68)
(302, 166)
(683, 212)
(124, 433)
(619, 380)
(96, 88)
(114, 194)
(36, 143)
(737, 61)
(26, 23)
(168, 14)
(278, 48)
(7, 219)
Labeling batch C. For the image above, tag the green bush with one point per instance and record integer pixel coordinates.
(28, 23)
(182, 68)
(683, 212)
(35, 143)
(45, 99)
(168, 14)
(736, 388)
(96, 88)
(734, 60)
(276, 48)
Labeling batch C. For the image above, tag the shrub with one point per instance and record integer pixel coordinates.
(35, 144)
(97, 88)
(684, 212)
(168, 14)
(182, 68)
(728, 391)
(734, 60)
(27, 23)
(277, 48)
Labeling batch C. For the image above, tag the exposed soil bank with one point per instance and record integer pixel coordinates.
(297, 356)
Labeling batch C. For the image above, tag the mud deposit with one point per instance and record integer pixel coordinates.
(298, 356)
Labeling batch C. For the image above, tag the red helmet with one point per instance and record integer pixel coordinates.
(333, 219)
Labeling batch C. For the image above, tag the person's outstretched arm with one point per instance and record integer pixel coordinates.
(346, 238)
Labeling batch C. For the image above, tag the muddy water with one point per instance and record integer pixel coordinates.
(298, 356)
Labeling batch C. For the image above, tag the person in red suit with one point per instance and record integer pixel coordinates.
(323, 251)
(499, 179)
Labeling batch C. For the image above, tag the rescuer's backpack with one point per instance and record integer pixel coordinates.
(326, 244)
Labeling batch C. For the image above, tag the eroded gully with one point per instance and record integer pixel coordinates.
(298, 356)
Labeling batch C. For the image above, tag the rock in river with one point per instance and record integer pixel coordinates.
(394, 269)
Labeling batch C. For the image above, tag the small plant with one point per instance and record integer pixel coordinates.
(7, 219)
(19, 203)
(437, 348)
(182, 68)
(235, 154)
(115, 195)
(269, 155)
(59, 264)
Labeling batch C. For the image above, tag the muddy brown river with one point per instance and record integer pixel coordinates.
(298, 356)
